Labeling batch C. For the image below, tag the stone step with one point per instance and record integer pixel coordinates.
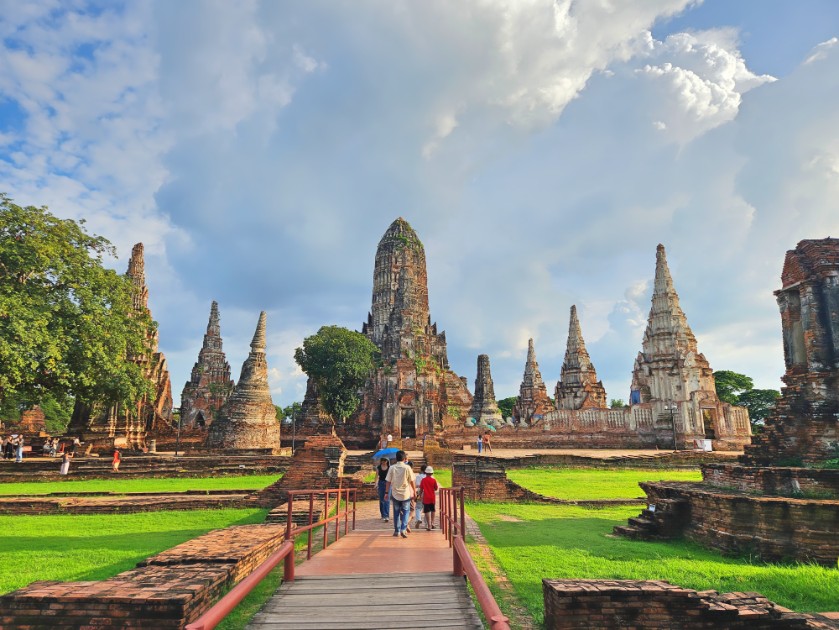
(642, 523)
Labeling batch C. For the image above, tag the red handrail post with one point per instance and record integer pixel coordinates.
(462, 494)
(325, 516)
(354, 497)
(337, 513)
(288, 566)
(311, 515)
(288, 520)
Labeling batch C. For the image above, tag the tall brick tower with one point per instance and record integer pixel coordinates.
(578, 387)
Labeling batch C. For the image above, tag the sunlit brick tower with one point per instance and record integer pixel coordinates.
(673, 377)
(414, 392)
(578, 387)
(210, 384)
(533, 399)
(484, 406)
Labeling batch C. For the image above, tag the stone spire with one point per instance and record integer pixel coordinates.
(248, 418)
(399, 322)
(578, 387)
(484, 407)
(137, 273)
(533, 395)
(671, 374)
(209, 385)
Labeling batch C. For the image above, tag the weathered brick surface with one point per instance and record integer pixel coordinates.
(773, 480)
(653, 605)
(168, 590)
(770, 527)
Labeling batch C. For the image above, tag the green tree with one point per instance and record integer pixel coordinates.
(730, 384)
(339, 361)
(759, 402)
(506, 406)
(67, 324)
(291, 411)
(617, 403)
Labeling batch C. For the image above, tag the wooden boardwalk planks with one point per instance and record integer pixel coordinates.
(361, 601)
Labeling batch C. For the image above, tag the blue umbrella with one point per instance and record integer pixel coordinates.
(385, 452)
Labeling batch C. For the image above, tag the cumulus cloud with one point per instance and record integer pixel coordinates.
(541, 149)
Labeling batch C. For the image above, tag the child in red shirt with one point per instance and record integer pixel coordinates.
(429, 487)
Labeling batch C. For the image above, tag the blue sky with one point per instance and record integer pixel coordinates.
(540, 149)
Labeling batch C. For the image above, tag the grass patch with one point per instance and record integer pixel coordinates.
(576, 484)
(117, 484)
(96, 547)
(533, 541)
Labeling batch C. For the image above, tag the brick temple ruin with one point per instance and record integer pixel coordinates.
(414, 392)
(248, 420)
(129, 427)
(778, 503)
(673, 399)
(210, 384)
(484, 410)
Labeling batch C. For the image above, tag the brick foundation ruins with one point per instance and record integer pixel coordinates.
(165, 591)
(764, 506)
(647, 605)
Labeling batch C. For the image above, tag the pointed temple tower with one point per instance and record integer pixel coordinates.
(414, 392)
(128, 427)
(533, 397)
(804, 428)
(248, 419)
(578, 387)
(484, 407)
(675, 379)
(210, 384)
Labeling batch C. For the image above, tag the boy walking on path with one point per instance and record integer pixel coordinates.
(429, 487)
(400, 486)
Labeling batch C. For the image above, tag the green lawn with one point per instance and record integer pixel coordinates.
(96, 547)
(592, 483)
(533, 541)
(117, 484)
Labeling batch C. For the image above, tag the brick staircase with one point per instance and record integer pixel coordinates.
(664, 522)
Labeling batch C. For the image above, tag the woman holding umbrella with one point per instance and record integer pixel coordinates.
(381, 487)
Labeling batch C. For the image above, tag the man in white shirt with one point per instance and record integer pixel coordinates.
(400, 486)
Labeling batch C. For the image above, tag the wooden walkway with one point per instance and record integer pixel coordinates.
(371, 579)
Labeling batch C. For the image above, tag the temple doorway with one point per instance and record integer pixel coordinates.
(409, 423)
(199, 420)
(709, 420)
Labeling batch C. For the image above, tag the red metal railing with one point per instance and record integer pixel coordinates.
(285, 552)
(453, 523)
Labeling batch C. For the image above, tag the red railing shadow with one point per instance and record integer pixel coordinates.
(285, 553)
(453, 523)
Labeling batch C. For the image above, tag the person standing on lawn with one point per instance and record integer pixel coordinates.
(400, 486)
(381, 485)
(428, 489)
(418, 482)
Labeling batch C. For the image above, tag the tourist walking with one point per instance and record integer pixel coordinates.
(410, 464)
(400, 486)
(116, 461)
(19, 452)
(480, 443)
(418, 507)
(381, 488)
(65, 463)
(428, 489)
(487, 445)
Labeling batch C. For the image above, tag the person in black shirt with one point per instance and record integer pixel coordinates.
(381, 483)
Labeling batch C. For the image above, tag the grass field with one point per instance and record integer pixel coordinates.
(532, 542)
(594, 483)
(96, 547)
(116, 484)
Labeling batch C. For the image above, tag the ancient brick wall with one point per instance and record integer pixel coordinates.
(774, 480)
(769, 527)
(168, 590)
(585, 604)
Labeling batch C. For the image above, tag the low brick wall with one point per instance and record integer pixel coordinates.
(122, 504)
(168, 590)
(773, 528)
(773, 480)
(585, 604)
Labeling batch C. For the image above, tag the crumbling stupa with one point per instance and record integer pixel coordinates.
(804, 427)
(414, 392)
(210, 384)
(248, 419)
(676, 380)
(533, 400)
(578, 387)
(128, 427)
(484, 409)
